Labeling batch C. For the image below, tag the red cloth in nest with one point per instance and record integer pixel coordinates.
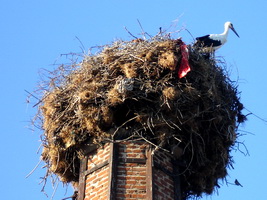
(184, 65)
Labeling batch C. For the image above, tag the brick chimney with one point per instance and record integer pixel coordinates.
(128, 171)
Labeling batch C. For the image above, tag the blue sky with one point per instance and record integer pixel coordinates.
(35, 33)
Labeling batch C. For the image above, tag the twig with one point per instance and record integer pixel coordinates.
(244, 153)
(122, 126)
(32, 95)
(158, 147)
(191, 160)
(255, 115)
(54, 191)
(130, 33)
(34, 169)
(82, 48)
(167, 122)
(190, 34)
(177, 138)
(152, 143)
(44, 179)
(148, 125)
(160, 32)
(143, 32)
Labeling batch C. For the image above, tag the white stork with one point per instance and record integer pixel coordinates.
(212, 42)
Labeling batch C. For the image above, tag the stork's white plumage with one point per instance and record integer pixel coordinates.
(212, 42)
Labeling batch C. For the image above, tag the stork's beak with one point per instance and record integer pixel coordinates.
(234, 31)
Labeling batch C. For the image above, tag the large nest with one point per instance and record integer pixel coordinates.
(131, 90)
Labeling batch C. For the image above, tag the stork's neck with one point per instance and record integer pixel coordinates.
(226, 30)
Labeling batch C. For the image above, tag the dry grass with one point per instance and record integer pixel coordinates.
(132, 90)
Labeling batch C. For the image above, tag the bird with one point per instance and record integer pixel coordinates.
(210, 43)
(73, 197)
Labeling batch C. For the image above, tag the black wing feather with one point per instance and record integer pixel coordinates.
(205, 41)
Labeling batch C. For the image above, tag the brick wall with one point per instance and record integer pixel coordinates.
(96, 186)
(162, 179)
(127, 171)
(131, 174)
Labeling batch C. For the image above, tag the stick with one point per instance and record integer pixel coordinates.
(130, 33)
(34, 169)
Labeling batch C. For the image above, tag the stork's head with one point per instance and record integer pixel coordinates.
(230, 25)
